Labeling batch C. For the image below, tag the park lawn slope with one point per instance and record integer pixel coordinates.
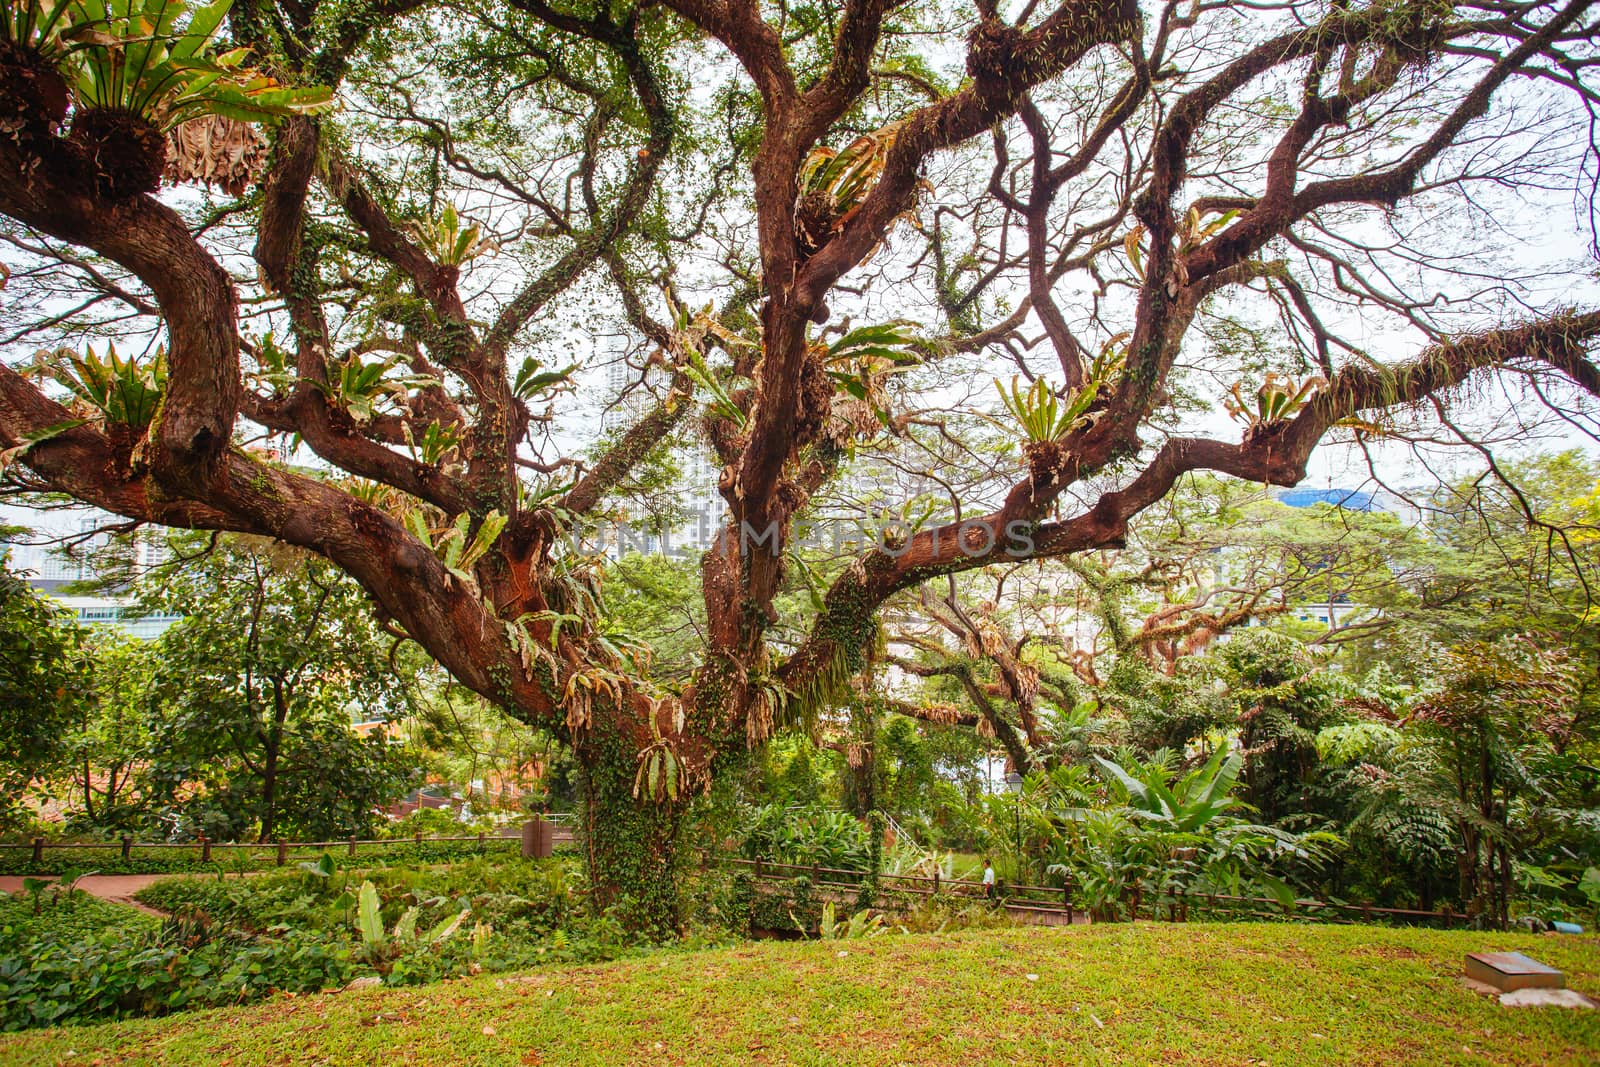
(1139, 993)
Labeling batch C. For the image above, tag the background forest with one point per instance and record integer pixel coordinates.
(1396, 706)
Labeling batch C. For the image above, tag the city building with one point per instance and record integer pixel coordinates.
(62, 549)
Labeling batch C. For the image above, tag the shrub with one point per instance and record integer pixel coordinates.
(806, 836)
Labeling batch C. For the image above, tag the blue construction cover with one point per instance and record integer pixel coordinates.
(1350, 499)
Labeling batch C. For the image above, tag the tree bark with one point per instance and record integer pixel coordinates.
(630, 844)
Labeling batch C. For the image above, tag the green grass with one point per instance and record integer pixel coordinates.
(1140, 993)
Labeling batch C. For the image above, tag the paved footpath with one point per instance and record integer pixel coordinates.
(118, 888)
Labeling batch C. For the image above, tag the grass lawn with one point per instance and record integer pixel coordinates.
(1141, 993)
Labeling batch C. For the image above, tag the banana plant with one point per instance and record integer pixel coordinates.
(1186, 806)
(109, 388)
(132, 57)
(449, 243)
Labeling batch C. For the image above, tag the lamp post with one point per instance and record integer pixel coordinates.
(1014, 787)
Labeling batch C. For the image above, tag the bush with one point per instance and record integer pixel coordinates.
(232, 940)
(434, 822)
(109, 976)
(717, 900)
(806, 837)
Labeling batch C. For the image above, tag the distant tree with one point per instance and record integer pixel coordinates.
(254, 691)
(1500, 708)
(110, 738)
(40, 675)
(1283, 699)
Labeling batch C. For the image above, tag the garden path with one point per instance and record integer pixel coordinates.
(117, 888)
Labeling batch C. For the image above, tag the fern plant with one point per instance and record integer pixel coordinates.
(860, 926)
(662, 775)
(531, 379)
(438, 443)
(458, 547)
(1040, 412)
(361, 386)
(719, 400)
(450, 243)
(860, 360)
(33, 94)
(142, 67)
(108, 389)
(1277, 400)
(835, 182)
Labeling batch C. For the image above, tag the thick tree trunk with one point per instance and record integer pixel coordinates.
(630, 845)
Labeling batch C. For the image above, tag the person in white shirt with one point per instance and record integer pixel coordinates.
(988, 880)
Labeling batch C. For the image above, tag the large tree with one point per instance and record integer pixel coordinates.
(1088, 187)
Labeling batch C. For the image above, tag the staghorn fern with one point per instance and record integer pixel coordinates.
(451, 243)
(110, 389)
(1275, 402)
(134, 57)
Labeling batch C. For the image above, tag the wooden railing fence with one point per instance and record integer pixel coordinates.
(1058, 899)
(509, 834)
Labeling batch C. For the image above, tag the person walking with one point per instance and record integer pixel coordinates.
(988, 880)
